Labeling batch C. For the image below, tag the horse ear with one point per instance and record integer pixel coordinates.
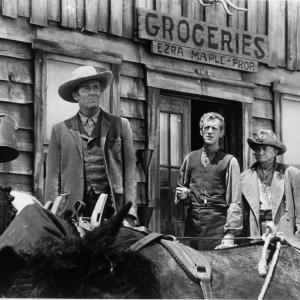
(111, 227)
(10, 262)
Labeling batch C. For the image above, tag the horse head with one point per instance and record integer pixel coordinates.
(90, 267)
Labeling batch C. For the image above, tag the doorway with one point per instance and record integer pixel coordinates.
(232, 113)
(179, 134)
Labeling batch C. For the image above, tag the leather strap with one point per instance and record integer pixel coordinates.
(192, 262)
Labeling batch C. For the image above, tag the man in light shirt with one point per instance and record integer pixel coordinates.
(271, 190)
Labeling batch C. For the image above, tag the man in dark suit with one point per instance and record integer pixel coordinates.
(92, 152)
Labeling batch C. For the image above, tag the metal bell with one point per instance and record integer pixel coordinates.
(8, 143)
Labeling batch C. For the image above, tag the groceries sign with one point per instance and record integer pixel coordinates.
(201, 42)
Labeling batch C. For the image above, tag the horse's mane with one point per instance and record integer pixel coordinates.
(91, 267)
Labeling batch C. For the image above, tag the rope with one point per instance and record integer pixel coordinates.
(271, 270)
(271, 234)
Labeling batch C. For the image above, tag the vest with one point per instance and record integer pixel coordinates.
(208, 209)
(94, 169)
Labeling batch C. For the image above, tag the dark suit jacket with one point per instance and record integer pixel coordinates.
(65, 166)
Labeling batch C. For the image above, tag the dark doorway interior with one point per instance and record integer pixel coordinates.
(232, 141)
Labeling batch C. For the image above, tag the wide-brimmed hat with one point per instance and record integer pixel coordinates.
(80, 75)
(266, 137)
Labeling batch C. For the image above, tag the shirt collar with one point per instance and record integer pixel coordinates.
(84, 118)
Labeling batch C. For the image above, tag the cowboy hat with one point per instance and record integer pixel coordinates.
(80, 75)
(266, 137)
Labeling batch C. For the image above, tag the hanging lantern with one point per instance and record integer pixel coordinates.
(8, 143)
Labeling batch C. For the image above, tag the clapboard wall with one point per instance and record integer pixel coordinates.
(114, 21)
(16, 99)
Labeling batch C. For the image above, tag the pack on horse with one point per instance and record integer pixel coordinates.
(112, 261)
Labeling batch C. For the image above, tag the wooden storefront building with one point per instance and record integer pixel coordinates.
(172, 61)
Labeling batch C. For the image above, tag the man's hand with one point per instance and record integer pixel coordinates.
(227, 242)
(181, 193)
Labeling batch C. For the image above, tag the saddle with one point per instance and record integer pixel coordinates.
(192, 262)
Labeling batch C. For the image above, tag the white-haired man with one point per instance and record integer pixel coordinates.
(91, 153)
(210, 181)
(271, 190)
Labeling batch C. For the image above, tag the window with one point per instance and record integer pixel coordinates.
(290, 131)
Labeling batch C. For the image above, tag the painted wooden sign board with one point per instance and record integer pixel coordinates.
(197, 41)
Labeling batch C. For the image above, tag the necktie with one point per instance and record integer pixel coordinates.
(89, 126)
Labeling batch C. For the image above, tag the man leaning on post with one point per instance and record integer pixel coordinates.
(91, 153)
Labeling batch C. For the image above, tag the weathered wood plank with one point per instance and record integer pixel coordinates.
(142, 193)
(80, 14)
(138, 129)
(128, 11)
(153, 143)
(238, 19)
(164, 6)
(16, 29)
(115, 91)
(262, 16)
(39, 13)
(262, 109)
(215, 14)
(298, 35)
(23, 114)
(263, 92)
(15, 70)
(68, 13)
(149, 4)
(39, 125)
(276, 31)
(116, 18)
(21, 165)
(73, 50)
(292, 34)
(132, 70)
(246, 133)
(24, 135)
(16, 92)
(17, 181)
(15, 49)
(103, 15)
(133, 108)
(252, 16)
(91, 15)
(176, 8)
(139, 144)
(259, 123)
(24, 8)
(54, 10)
(10, 8)
(132, 88)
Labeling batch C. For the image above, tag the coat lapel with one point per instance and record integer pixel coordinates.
(249, 188)
(105, 125)
(72, 125)
(277, 190)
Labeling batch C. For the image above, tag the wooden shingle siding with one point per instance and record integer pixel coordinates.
(16, 100)
(54, 10)
(103, 15)
(39, 13)
(91, 15)
(24, 8)
(68, 13)
(128, 18)
(238, 18)
(10, 8)
(216, 15)
(116, 18)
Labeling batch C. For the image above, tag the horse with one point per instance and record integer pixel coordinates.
(102, 264)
